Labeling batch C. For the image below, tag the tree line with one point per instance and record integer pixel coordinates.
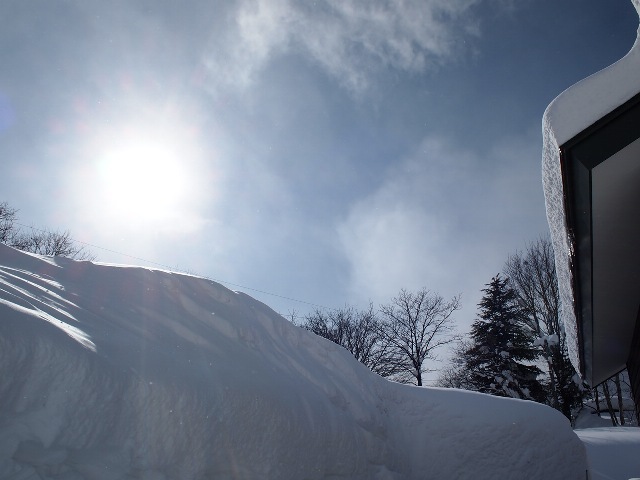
(40, 241)
(395, 341)
(516, 347)
(622, 411)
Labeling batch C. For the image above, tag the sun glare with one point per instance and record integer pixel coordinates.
(144, 179)
(144, 176)
(151, 175)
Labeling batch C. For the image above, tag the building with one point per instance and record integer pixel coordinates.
(591, 171)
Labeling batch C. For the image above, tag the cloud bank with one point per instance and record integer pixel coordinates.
(445, 219)
(349, 40)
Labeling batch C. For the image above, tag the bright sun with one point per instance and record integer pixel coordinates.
(143, 179)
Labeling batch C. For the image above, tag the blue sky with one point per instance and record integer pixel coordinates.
(332, 152)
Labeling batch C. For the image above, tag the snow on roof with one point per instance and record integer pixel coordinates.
(109, 372)
(575, 109)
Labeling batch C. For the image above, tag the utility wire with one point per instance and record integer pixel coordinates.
(181, 271)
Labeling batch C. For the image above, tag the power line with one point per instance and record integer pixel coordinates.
(181, 271)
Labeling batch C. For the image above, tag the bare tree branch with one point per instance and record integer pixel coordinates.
(415, 325)
(359, 332)
(41, 242)
(532, 275)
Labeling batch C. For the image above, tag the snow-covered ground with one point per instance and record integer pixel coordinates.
(614, 452)
(110, 372)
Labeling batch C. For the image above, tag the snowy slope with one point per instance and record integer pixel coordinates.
(114, 372)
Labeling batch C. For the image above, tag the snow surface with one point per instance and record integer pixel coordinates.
(571, 112)
(111, 372)
(613, 452)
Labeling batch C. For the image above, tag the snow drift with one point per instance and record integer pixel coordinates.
(612, 452)
(111, 372)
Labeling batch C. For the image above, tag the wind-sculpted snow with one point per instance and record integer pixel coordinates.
(119, 373)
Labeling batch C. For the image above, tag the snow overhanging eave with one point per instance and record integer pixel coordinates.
(572, 112)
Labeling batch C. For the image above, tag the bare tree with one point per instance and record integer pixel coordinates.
(8, 216)
(633, 410)
(607, 397)
(624, 416)
(42, 242)
(359, 332)
(616, 381)
(415, 325)
(456, 374)
(532, 275)
(292, 316)
(597, 398)
(47, 242)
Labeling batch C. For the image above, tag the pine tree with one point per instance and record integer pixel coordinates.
(500, 359)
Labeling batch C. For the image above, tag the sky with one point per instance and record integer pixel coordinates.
(307, 153)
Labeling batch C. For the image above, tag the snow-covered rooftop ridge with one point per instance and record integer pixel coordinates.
(575, 109)
(110, 373)
(582, 104)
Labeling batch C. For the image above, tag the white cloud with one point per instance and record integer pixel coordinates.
(350, 40)
(445, 219)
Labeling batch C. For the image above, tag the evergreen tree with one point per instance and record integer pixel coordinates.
(501, 342)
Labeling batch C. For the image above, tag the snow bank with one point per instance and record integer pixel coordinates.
(612, 452)
(113, 372)
(571, 112)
